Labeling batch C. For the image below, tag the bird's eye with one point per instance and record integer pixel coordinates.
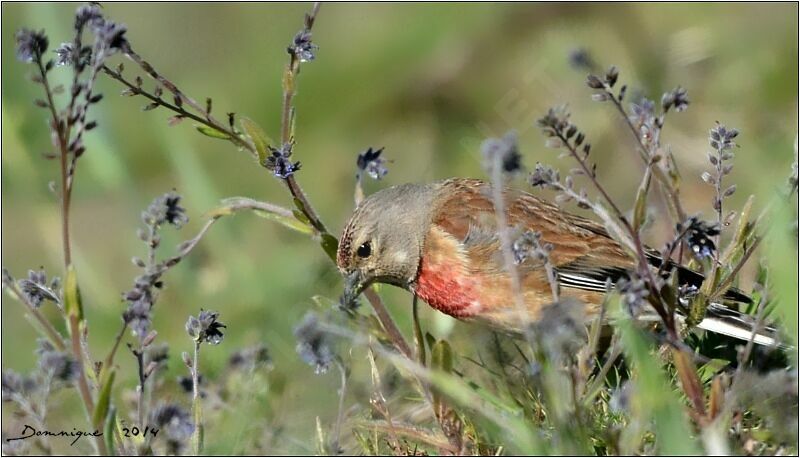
(364, 250)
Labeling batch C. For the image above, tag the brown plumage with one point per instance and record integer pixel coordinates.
(464, 223)
(440, 241)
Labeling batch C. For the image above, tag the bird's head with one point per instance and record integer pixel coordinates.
(383, 240)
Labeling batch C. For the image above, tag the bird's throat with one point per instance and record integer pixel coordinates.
(443, 281)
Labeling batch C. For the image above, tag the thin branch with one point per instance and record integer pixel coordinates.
(50, 332)
(135, 90)
(60, 142)
(299, 197)
(760, 316)
(728, 281)
(412, 432)
(110, 358)
(644, 265)
(669, 192)
(388, 324)
(83, 384)
(197, 414)
(505, 239)
(340, 413)
(205, 118)
(245, 203)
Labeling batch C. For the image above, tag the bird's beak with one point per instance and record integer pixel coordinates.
(354, 284)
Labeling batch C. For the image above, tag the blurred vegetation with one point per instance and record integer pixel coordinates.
(428, 83)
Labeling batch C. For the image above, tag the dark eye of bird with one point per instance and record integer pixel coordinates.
(364, 250)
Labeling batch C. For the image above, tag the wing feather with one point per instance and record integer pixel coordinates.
(583, 253)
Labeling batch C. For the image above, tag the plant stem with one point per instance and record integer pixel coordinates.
(744, 357)
(196, 407)
(110, 358)
(302, 203)
(205, 117)
(300, 199)
(388, 323)
(50, 332)
(60, 142)
(419, 340)
(83, 385)
(505, 242)
(142, 380)
(340, 415)
(667, 189)
(728, 281)
(644, 265)
(59, 130)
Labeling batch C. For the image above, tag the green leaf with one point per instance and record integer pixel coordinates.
(418, 339)
(745, 226)
(104, 401)
(743, 231)
(711, 368)
(781, 255)
(640, 205)
(291, 223)
(211, 132)
(258, 136)
(654, 399)
(430, 340)
(329, 244)
(108, 429)
(72, 294)
(442, 356)
(262, 209)
(301, 216)
(298, 204)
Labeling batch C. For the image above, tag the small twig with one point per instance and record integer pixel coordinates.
(419, 340)
(677, 242)
(644, 265)
(171, 87)
(196, 407)
(729, 279)
(110, 358)
(552, 278)
(669, 192)
(504, 236)
(245, 203)
(759, 324)
(155, 99)
(142, 380)
(60, 142)
(60, 132)
(340, 413)
(50, 332)
(388, 324)
(378, 400)
(287, 119)
(83, 384)
(600, 379)
(413, 432)
(204, 118)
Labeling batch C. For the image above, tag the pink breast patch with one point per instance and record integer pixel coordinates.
(445, 287)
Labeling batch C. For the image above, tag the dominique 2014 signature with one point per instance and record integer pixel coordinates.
(29, 431)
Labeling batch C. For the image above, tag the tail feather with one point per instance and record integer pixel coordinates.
(722, 320)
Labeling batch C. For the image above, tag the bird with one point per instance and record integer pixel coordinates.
(440, 241)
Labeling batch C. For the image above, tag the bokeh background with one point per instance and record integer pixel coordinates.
(426, 81)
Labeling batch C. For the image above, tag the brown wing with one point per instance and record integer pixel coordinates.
(583, 253)
(466, 211)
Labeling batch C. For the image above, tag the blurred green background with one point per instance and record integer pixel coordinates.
(426, 81)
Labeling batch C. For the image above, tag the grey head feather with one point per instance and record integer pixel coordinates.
(394, 222)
